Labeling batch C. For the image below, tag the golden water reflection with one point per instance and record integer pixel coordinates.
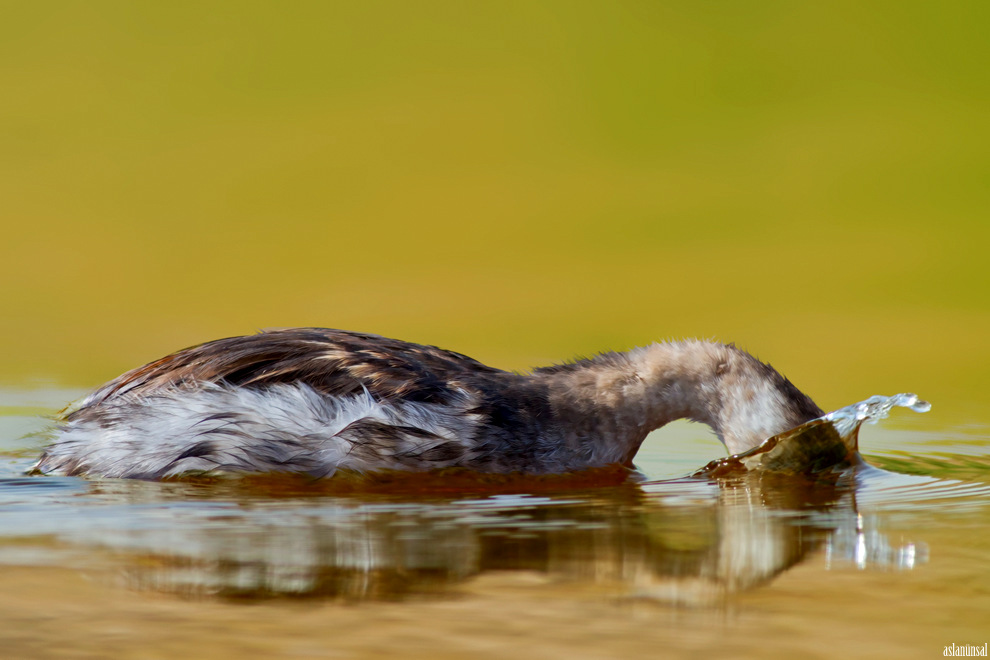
(605, 564)
(683, 542)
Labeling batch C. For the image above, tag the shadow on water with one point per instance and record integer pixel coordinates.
(695, 541)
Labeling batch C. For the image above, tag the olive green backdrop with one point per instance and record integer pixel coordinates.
(520, 181)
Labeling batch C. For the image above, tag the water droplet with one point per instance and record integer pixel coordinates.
(875, 408)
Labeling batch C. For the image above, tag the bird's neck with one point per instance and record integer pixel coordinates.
(614, 400)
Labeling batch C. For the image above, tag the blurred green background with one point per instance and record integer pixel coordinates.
(523, 182)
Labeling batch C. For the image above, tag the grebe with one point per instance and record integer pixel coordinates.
(312, 400)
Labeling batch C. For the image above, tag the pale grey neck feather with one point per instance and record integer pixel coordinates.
(630, 394)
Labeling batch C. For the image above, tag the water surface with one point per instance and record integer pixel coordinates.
(895, 551)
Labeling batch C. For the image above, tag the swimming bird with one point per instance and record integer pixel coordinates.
(315, 400)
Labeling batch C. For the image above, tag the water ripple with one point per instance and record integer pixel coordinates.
(878, 487)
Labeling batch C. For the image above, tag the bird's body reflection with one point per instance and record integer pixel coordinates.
(732, 526)
(636, 539)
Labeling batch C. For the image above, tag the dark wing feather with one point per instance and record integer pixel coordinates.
(334, 362)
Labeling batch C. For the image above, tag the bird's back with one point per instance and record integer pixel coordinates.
(305, 400)
(334, 363)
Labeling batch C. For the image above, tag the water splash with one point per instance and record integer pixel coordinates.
(849, 419)
(826, 443)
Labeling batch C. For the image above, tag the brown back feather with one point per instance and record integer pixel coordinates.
(334, 362)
